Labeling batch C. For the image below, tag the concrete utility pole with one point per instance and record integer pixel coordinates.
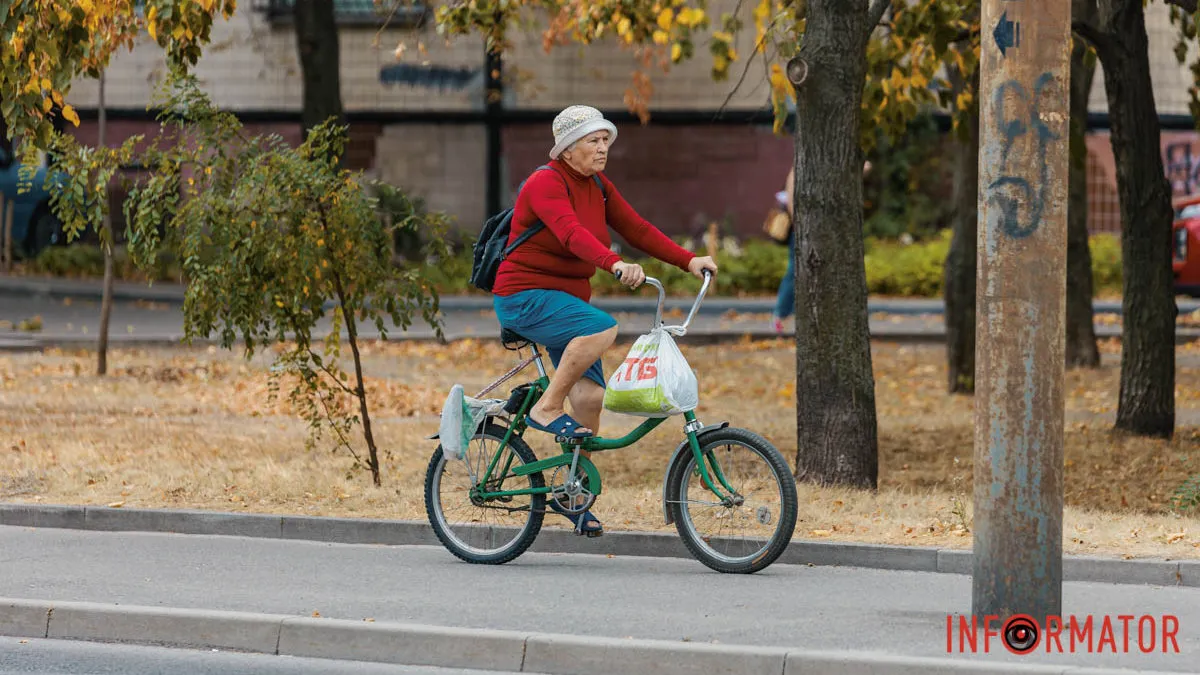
(1024, 135)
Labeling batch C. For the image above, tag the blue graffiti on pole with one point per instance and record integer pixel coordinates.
(1009, 191)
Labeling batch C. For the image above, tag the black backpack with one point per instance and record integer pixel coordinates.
(490, 249)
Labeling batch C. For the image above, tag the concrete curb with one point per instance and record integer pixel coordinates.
(454, 647)
(1156, 572)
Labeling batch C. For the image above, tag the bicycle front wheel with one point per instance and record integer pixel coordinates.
(748, 529)
(491, 531)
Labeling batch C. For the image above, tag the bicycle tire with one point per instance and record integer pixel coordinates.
(533, 525)
(678, 476)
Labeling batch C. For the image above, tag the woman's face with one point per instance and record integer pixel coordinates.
(590, 153)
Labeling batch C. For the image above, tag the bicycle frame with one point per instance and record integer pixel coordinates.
(571, 450)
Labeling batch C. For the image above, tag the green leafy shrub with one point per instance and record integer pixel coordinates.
(1106, 263)
(87, 260)
(753, 268)
(916, 269)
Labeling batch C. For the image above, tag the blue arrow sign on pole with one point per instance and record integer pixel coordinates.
(1007, 34)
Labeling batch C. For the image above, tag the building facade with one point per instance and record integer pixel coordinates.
(421, 123)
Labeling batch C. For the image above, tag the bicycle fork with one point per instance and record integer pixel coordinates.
(702, 468)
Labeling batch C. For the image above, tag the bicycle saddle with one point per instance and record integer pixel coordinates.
(509, 337)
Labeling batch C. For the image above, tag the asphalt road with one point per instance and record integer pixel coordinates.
(820, 608)
(61, 657)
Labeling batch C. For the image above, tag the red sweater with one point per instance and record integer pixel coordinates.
(575, 241)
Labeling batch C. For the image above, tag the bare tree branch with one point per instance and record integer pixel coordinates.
(875, 14)
(322, 366)
(737, 86)
(757, 47)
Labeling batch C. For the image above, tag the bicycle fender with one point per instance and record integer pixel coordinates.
(683, 447)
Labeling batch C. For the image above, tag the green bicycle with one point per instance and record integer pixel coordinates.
(729, 491)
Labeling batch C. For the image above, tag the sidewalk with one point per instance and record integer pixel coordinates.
(151, 316)
(558, 613)
(641, 301)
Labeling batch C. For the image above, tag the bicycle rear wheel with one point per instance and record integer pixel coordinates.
(744, 534)
(489, 532)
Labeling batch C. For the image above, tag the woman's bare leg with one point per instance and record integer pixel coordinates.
(579, 355)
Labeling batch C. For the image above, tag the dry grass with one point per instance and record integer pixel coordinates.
(194, 429)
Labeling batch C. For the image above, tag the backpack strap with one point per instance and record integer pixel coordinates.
(537, 226)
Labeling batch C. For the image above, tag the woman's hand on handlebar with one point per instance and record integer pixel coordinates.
(699, 264)
(630, 274)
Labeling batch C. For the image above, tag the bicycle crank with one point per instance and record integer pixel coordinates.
(569, 492)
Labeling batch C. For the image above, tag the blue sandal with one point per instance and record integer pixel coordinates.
(563, 425)
(581, 520)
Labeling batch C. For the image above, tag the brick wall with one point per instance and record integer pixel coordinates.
(252, 64)
(679, 177)
(1181, 164)
(443, 163)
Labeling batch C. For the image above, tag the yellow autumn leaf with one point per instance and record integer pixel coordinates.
(178, 32)
(279, 303)
(676, 52)
(45, 84)
(320, 242)
(723, 36)
(623, 26)
(660, 37)
(47, 104)
(70, 115)
(665, 17)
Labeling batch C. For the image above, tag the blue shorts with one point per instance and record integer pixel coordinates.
(552, 319)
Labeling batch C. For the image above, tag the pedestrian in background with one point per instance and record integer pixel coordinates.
(785, 297)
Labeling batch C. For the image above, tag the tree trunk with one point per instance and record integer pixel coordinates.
(837, 436)
(360, 388)
(317, 43)
(1081, 349)
(961, 265)
(106, 240)
(1147, 391)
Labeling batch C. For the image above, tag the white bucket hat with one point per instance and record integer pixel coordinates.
(574, 123)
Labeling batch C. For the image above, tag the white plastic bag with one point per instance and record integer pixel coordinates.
(461, 418)
(654, 380)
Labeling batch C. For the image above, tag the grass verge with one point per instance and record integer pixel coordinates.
(192, 428)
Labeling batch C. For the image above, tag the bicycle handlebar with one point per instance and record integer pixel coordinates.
(662, 296)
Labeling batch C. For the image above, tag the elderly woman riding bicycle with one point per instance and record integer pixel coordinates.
(542, 289)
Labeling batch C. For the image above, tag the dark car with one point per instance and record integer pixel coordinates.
(34, 225)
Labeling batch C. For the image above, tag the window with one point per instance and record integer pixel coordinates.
(1189, 211)
(398, 13)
